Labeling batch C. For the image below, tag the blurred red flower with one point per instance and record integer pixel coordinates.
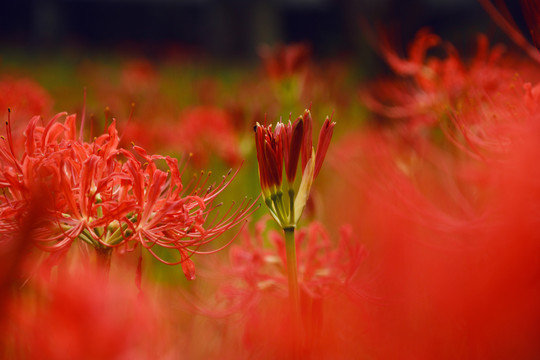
(77, 316)
(206, 131)
(254, 287)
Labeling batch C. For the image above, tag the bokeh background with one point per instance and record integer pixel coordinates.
(231, 29)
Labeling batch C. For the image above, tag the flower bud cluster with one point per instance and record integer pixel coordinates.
(280, 150)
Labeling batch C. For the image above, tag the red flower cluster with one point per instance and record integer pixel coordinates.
(256, 277)
(432, 85)
(56, 319)
(322, 265)
(452, 235)
(473, 104)
(108, 197)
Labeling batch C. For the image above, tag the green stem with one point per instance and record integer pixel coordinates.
(294, 289)
(291, 204)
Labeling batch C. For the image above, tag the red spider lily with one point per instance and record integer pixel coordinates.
(56, 319)
(433, 85)
(139, 77)
(169, 215)
(452, 239)
(274, 148)
(256, 278)
(285, 61)
(25, 97)
(14, 254)
(282, 148)
(76, 175)
(107, 202)
(289, 70)
(474, 105)
(197, 131)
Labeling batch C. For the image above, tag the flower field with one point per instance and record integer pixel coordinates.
(184, 208)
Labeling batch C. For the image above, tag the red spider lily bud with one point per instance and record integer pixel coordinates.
(324, 141)
(295, 147)
(306, 142)
(283, 146)
(273, 164)
(259, 144)
(270, 155)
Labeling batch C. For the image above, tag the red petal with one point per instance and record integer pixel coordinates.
(295, 147)
(187, 265)
(324, 141)
(308, 142)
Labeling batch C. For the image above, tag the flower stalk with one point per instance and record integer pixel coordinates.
(282, 150)
(292, 277)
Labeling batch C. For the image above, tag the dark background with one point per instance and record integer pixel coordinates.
(231, 28)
